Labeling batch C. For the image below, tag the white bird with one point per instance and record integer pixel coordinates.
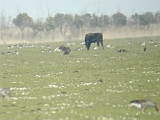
(57, 50)
(108, 45)
(50, 50)
(142, 44)
(129, 42)
(95, 48)
(42, 51)
(155, 45)
(16, 52)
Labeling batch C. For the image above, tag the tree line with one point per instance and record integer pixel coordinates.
(71, 26)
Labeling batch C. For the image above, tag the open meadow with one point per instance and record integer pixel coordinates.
(96, 84)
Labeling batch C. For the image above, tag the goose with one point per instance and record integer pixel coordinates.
(8, 53)
(5, 93)
(143, 44)
(108, 46)
(50, 50)
(151, 41)
(155, 45)
(143, 104)
(42, 51)
(16, 52)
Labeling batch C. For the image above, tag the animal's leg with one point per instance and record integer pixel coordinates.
(98, 43)
(102, 44)
(88, 45)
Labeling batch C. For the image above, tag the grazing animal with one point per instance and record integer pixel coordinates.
(5, 93)
(144, 49)
(92, 38)
(143, 105)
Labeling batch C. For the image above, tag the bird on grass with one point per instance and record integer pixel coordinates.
(5, 93)
(143, 105)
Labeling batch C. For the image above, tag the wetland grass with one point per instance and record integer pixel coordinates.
(95, 84)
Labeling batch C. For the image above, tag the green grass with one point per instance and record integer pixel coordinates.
(53, 86)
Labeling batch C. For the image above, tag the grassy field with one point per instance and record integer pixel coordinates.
(95, 84)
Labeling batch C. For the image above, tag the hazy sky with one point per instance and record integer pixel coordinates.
(41, 8)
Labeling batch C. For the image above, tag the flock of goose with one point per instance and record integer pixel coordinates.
(67, 49)
(140, 104)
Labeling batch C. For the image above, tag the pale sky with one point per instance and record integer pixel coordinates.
(40, 8)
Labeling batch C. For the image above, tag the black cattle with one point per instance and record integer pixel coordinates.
(92, 38)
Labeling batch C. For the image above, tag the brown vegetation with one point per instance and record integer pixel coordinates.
(68, 27)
